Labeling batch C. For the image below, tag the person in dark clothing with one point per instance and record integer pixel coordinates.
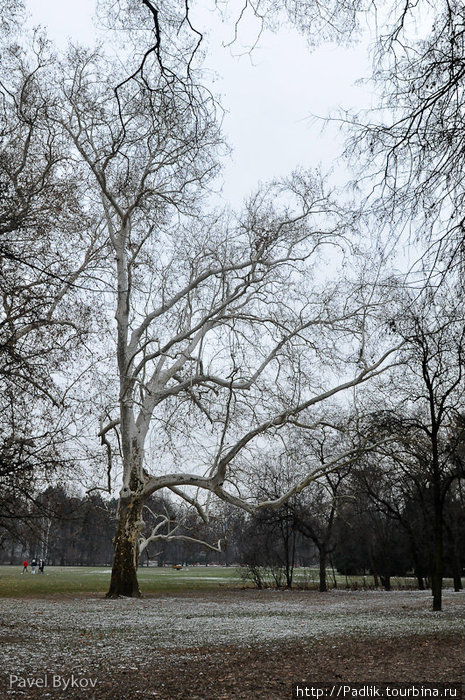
(41, 566)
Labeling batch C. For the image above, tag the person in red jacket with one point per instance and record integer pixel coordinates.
(25, 565)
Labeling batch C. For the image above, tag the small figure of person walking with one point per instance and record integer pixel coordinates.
(41, 566)
(33, 566)
(25, 565)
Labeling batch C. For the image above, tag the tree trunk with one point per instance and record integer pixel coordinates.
(455, 566)
(418, 571)
(421, 582)
(124, 572)
(386, 581)
(287, 534)
(454, 558)
(436, 581)
(323, 583)
(438, 554)
(457, 581)
(334, 573)
(417, 566)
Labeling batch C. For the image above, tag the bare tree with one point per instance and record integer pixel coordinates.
(315, 511)
(212, 312)
(423, 414)
(222, 332)
(411, 144)
(48, 254)
(438, 344)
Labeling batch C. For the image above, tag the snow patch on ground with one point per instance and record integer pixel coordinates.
(88, 632)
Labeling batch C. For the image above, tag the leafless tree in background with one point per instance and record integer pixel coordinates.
(48, 252)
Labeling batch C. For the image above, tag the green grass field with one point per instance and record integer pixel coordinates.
(73, 580)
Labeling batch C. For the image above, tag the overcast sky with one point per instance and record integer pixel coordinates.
(269, 99)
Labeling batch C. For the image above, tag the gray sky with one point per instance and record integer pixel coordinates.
(269, 98)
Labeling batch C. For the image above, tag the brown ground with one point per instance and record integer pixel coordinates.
(268, 673)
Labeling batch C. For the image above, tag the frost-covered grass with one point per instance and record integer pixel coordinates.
(86, 634)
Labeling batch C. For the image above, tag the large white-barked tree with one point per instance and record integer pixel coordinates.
(222, 332)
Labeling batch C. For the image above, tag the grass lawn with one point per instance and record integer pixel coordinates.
(71, 580)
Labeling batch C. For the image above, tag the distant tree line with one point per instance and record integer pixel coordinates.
(352, 530)
(62, 528)
(355, 534)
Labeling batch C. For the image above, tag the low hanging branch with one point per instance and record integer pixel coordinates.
(170, 538)
(171, 535)
(102, 434)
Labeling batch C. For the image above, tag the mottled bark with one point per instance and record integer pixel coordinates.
(124, 572)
